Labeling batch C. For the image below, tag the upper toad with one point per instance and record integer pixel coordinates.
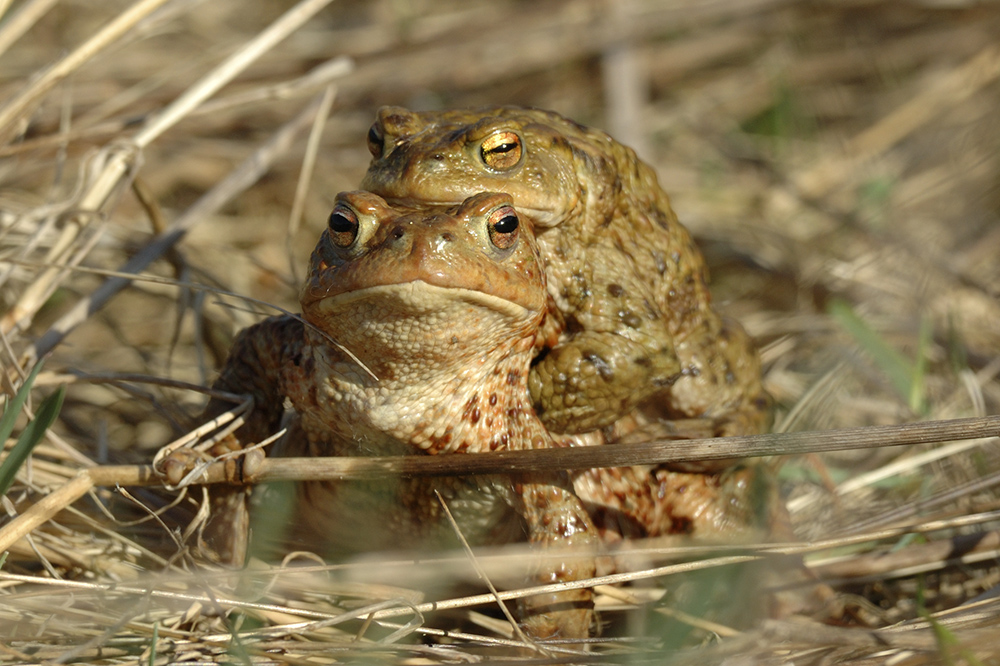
(629, 300)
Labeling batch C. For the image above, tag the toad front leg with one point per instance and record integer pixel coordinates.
(722, 379)
(556, 518)
(594, 378)
(262, 363)
(615, 350)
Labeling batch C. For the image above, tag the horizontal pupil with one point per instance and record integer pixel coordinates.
(506, 224)
(504, 148)
(340, 224)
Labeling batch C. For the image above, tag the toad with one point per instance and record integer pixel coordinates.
(417, 332)
(627, 285)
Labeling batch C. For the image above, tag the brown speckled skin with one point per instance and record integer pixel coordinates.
(627, 284)
(441, 327)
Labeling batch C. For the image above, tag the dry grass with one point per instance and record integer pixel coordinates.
(837, 161)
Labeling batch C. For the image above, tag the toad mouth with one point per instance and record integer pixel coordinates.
(417, 298)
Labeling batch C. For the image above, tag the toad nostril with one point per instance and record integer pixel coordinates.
(398, 233)
(447, 237)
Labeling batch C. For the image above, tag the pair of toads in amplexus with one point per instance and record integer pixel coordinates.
(504, 279)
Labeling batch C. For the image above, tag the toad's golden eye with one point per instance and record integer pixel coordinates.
(501, 150)
(503, 225)
(343, 226)
(375, 141)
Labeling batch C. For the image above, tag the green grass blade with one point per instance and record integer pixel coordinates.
(30, 436)
(152, 644)
(14, 405)
(897, 368)
(918, 386)
(948, 643)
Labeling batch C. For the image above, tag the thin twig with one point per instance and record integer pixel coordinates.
(620, 455)
(935, 554)
(237, 181)
(585, 457)
(501, 462)
(948, 92)
(18, 106)
(18, 24)
(483, 576)
(305, 174)
(275, 32)
(124, 157)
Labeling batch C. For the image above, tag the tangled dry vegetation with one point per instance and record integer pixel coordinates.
(836, 159)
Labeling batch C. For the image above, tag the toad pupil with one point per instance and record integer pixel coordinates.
(339, 223)
(502, 148)
(506, 224)
(375, 142)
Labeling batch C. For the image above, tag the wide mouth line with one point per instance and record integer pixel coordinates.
(400, 290)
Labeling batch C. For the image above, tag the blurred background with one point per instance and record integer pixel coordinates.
(837, 161)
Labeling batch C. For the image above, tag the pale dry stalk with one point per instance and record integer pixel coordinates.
(947, 92)
(17, 108)
(500, 462)
(235, 182)
(123, 158)
(18, 24)
(306, 172)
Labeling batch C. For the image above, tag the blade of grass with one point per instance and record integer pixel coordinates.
(905, 377)
(152, 644)
(30, 436)
(947, 642)
(918, 388)
(14, 405)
